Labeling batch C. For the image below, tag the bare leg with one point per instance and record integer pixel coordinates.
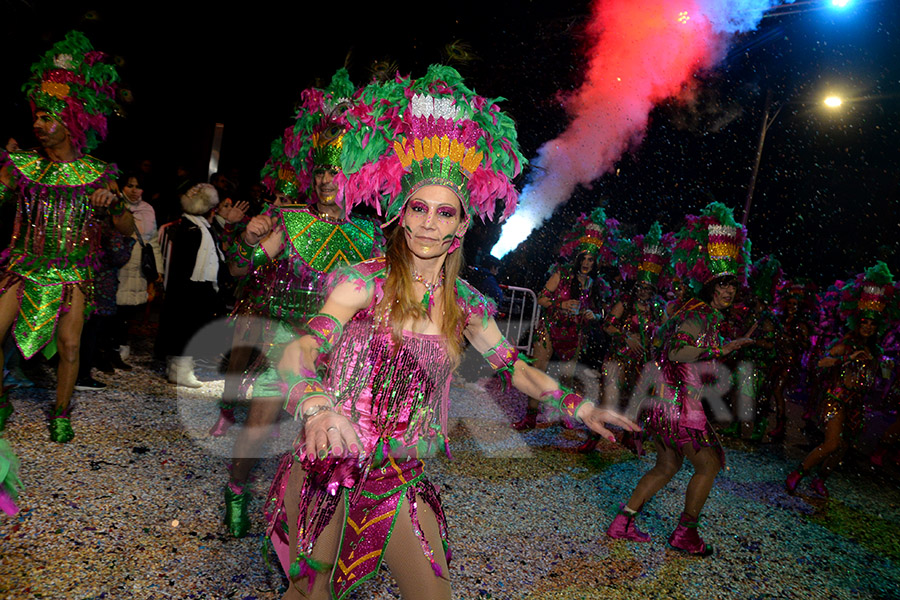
(781, 381)
(9, 308)
(68, 342)
(830, 462)
(831, 444)
(245, 334)
(706, 465)
(412, 570)
(326, 547)
(668, 463)
(262, 415)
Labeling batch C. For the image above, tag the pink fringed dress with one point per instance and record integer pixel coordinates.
(692, 345)
(398, 401)
(564, 329)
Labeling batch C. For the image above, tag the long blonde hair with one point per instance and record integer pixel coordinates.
(404, 304)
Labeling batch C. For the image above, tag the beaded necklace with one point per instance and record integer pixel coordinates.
(430, 288)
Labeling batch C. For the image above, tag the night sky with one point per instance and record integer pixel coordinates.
(826, 201)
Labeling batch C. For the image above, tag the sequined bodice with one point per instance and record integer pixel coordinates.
(325, 243)
(53, 211)
(562, 293)
(395, 395)
(314, 246)
(642, 323)
(701, 328)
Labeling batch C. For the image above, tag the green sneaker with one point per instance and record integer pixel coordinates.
(733, 430)
(61, 427)
(759, 432)
(236, 519)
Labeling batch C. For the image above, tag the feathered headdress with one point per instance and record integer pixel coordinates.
(711, 245)
(432, 131)
(646, 257)
(595, 233)
(871, 294)
(317, 138)
(800, 288)
(766, 278)
(277, 174)
(73, 83)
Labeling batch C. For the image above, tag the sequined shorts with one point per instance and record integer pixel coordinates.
(663, 420)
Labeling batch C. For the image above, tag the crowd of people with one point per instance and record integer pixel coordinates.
(347, 311)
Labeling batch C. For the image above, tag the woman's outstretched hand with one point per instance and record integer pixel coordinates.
(597, 418)
(330, 433)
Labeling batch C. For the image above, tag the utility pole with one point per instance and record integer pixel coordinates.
(768, 119)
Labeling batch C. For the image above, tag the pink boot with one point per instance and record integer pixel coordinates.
(226, 420)
(818, 486)
(623, 527)
(589, 445)
(686, 539)
(529, 421)
(793, 480)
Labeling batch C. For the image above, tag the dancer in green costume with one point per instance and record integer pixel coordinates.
(61, 196)
(288, 252)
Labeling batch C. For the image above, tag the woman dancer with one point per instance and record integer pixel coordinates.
(851, 365)
(712, 253)
(791, 343)
(566, 299)
(633, 320)
(394, 329)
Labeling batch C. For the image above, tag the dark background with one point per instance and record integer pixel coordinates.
(826, 202)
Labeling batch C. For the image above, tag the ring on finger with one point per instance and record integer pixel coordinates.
(330, 428)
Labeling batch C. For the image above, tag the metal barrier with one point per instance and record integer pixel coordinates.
(522, 304)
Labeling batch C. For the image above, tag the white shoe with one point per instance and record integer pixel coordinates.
(124, 352)
(181, 372)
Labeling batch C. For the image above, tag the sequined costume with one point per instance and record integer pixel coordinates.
(761, 356)
(850, 381)
(564, 329)
(791, 342)
(624, 360)
(398, 402)
(54, 243)
(688, 354)
(287, 288)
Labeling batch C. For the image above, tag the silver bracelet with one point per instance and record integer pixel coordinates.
(313, 411)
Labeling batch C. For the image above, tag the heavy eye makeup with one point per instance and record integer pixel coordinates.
(418, 206)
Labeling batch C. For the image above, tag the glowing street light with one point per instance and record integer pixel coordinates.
(833, 101)
(840, 3)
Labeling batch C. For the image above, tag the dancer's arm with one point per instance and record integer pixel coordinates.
(262, 239)
(547, 295)
(835, 355)
(6, 188)
(686, 349)
(325, 430)
(487, 339)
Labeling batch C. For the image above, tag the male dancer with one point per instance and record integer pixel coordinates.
(294, 246)
(61, 195)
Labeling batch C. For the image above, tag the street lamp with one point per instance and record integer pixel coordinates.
(833, 101)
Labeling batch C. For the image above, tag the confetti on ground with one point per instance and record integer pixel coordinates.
(132, 508)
